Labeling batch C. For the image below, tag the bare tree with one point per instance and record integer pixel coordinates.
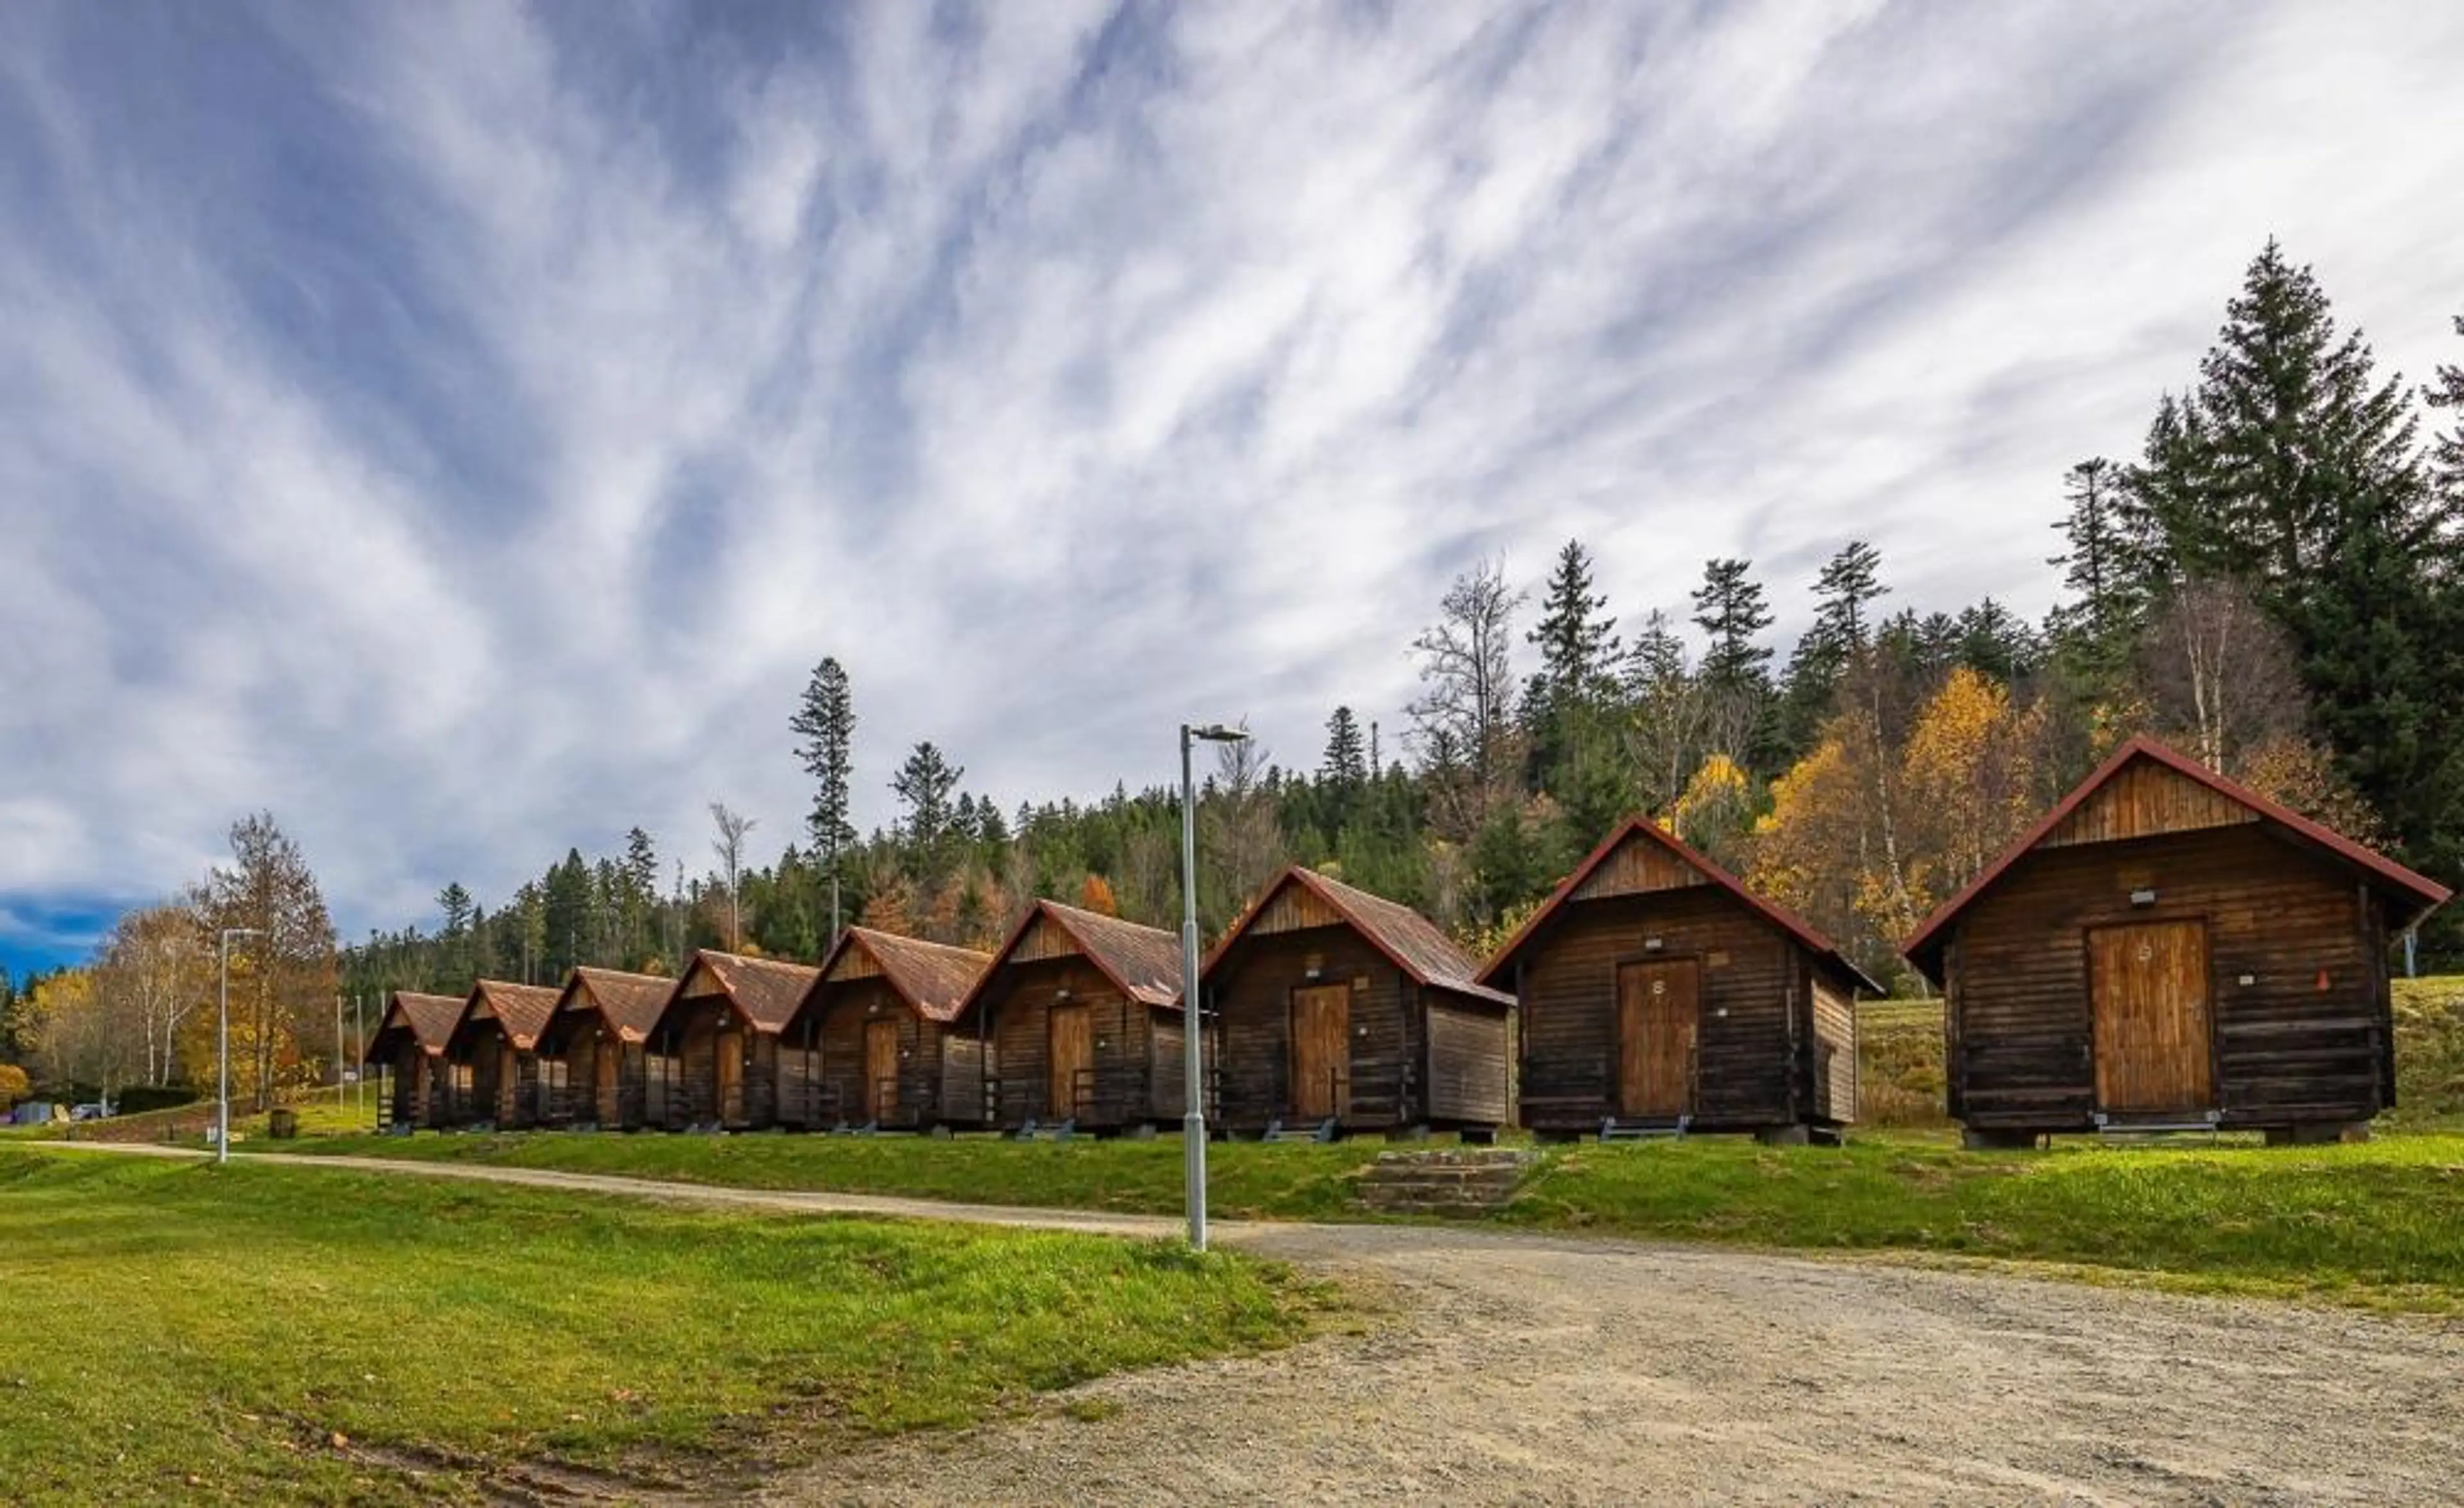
(2216, 667)
(729, 846)
(150, 975)
(1464, 717)
(1241, 843)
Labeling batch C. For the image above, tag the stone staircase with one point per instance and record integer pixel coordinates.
(1468, 1183)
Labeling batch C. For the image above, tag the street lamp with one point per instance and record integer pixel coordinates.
(1193, 1122)
(222, 1046)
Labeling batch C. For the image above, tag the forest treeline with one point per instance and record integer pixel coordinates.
(2271, 583)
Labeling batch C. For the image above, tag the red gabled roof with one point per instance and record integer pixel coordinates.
(1780, 917)
(1410, 941)
(630, 1003)
(1142, 961)
(933, 978)
(426, 1020)
(765, 991)
(1921, 949)
(521, 1011)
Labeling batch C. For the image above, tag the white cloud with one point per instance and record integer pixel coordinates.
(461, 433)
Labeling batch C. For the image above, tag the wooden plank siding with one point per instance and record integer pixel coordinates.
(1759, 1036)
(2143, 800)
(1416, 1056)
(856, 1001)
(1125, 1088)
(1635, 869)
(2296, 998)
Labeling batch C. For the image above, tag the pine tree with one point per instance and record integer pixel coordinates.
(1994, 641)
(1578, 646)
(1729, 608)
(825, 720)
(1344, 764)
(925, 784)
(1850, 582)
(2447, 449)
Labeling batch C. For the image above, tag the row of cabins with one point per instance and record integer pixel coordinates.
(2164, 949)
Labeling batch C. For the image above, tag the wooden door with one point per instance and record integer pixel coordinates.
(2148, 983)
(1658, 1012)
(509, 1084)
(730, 1051)
(1321, 1051)
(604, 1061)
(881, 1069)
(1072, 1055)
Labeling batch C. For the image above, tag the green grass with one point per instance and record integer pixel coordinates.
(1246, 1180)
(2380, 1224)
(176, 1332)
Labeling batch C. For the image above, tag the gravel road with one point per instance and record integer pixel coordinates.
(1510, 1368)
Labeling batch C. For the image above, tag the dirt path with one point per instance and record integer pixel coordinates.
(1520, 1369)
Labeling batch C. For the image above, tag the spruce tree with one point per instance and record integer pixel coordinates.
(1730, 611)
(1346, 762)
(1577, 640)
(825, 720)
(2447, 449)
(925, 784)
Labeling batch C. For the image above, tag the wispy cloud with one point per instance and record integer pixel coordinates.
(460, 429)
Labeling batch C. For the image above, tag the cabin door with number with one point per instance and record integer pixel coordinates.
(1071, 1061)
(880, 1069)
(1321, 1052)
(730, 1050)
(2149, 982)
(1659, 1010)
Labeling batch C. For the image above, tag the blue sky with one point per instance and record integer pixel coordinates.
(461, 429)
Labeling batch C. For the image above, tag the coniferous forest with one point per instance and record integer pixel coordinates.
(2272, 585)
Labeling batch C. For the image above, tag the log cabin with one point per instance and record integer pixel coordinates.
(2169, 950)
(1336, 1011)
(1078, 1018)
(1660, 995)
(600, 1032)
(410, 1044)
(500, 1080)
(724, 1027)
(881, 1013)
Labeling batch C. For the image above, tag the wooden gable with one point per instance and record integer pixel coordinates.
(1043, 939)
(854, 963)
(2142, 799)
(701, 982)
(1635, 867)
(1296, 908)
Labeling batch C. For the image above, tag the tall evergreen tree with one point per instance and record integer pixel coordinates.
(2446, 391)
(1346, 762)
(1577, 639)
(925, 784)
(825, 720)
(1850, 583)
(1730, 611)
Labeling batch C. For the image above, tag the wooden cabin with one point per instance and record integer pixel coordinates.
(881, 1013)
(410, 1044)
(724, 1027)
(1340, 1011)
(1078, 1018)
(600, 1032)
(500, 1078)
(1661, 996)
(2170, 949)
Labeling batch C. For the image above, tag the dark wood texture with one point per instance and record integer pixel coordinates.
(1765, 1050)
(1113, 1038)
(1407, 1055)
(882, 1064)
(2291, 1002)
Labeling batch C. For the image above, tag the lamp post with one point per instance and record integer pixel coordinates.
(222, 1046)
(1193, 1122)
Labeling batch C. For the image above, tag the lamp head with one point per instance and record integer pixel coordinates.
(1218, 733)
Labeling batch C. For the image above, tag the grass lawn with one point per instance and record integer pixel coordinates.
(175, 1332)
(2380, 1224)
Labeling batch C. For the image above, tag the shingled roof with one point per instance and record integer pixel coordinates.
(521, 1011)
(1409, 940)
(1142, 961)
(2419, 893)
(629, 1002)
(765, 991)
(933, 978)
(1649, 832)
(427, 1020)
